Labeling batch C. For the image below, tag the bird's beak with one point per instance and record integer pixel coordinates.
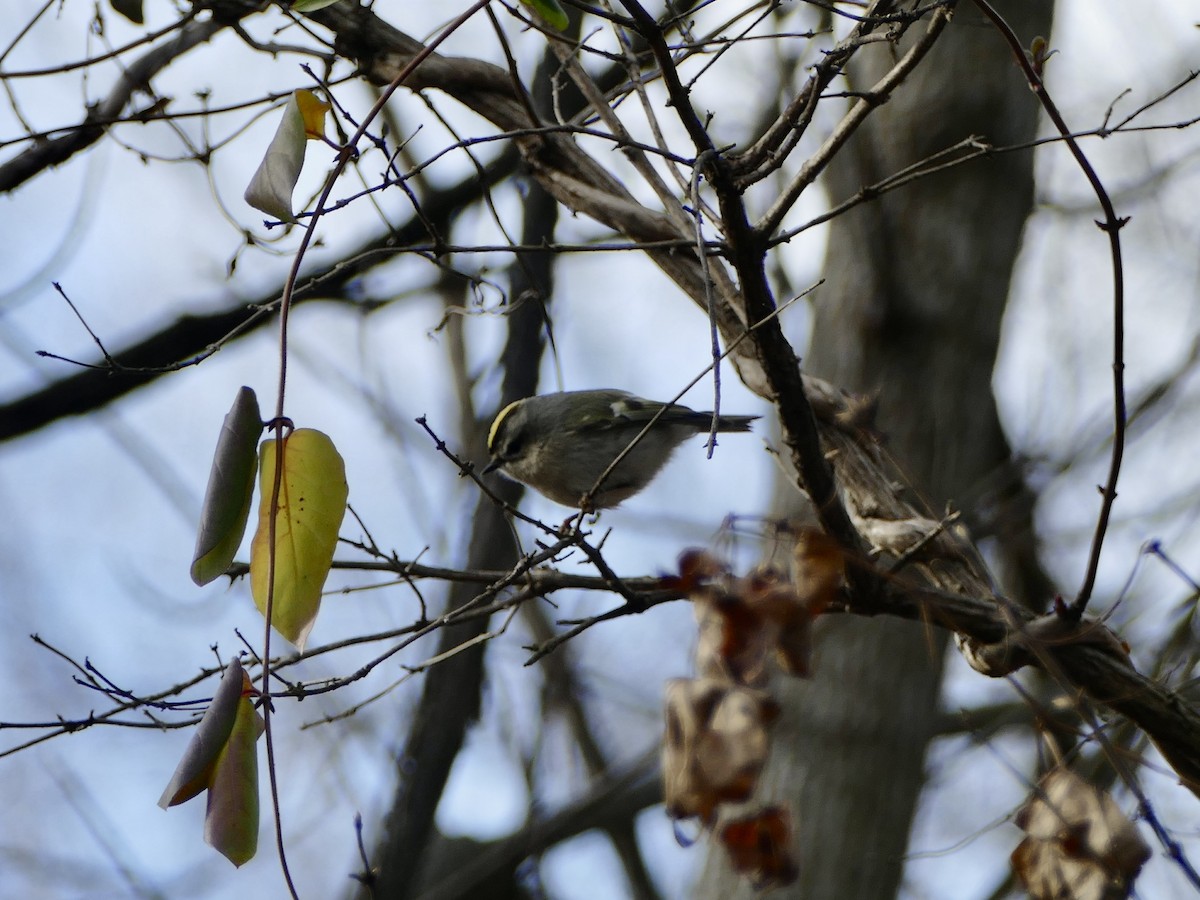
(492, 466)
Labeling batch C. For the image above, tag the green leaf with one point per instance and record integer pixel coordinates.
(270, 190)
(231, 821)
(230, 488)
(549, 12)
(195, 769)
(130, 9)
(311, 5)
(312, 503)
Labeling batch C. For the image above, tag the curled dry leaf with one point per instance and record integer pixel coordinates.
(715, 745)
(736, 642)
(718, 726)
(230, 489)
(818, 569)
(1079, 844)
(231, 816)
(744, 623)
(697, 569)
(758, 847)
(221, 759)
(786, 611)
(270, 190)
(194, 772)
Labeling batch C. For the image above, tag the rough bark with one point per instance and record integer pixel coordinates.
(916, 286)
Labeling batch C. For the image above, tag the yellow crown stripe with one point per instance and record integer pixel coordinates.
(504, 413)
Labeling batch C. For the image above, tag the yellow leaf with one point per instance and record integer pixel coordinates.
(312, 502)
(312, 111)
(231, 820)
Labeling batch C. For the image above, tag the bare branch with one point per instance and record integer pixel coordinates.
(879, 92)
(44, 155)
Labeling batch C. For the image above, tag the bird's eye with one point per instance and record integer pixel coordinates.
(513, 447)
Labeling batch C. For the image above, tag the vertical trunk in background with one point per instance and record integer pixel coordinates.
(451, 695)
(916, 286)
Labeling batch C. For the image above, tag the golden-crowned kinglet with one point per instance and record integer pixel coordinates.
(560, 444)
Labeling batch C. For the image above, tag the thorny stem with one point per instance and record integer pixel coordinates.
(1111, 226)
(344, 156)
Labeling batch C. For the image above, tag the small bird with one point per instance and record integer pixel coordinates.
(560, 444)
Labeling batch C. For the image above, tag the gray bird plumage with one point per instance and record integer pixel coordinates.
(560, 444)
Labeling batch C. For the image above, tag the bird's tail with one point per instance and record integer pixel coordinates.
(733, 423)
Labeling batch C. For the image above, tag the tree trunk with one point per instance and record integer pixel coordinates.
(916, 286)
